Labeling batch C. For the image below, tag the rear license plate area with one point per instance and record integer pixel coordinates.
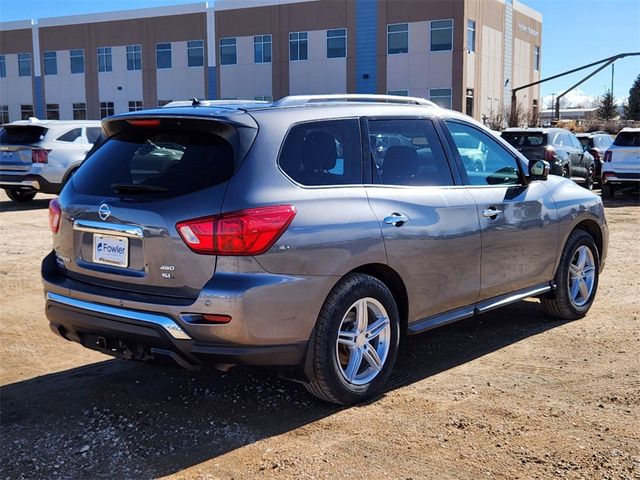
(111, 250)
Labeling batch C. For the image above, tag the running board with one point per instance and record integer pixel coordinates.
(451, 316)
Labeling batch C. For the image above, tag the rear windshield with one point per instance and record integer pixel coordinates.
(627, 139)
(21, 134)
(152, 163)
(525, 139)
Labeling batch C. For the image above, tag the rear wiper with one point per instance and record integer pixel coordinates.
(134, 188)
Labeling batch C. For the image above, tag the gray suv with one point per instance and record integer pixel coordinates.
(278, 235)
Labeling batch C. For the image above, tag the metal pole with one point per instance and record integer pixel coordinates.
(613, 66)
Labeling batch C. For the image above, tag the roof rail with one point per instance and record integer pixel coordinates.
(210, 103)
(294, 100)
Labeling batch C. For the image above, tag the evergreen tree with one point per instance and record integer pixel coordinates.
(632, 108)
(606, 107)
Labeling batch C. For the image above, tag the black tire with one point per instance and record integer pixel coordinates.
(21, 196)
(559, 303)
(608, 191)
(326, 380)
(589, 181)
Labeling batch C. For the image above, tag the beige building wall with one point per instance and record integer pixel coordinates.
(15, 90)
(318, 74)
(120, 86)
(65, 88)
(246, 80)
(180, 82)
(491, 88)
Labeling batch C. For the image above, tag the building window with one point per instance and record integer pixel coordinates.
(135, 105)
(162, 103)
(471, 36)
(79, 111)
(262, 49)
(469, 102)
(77, 60)
(298, 46)
(195, 53)
(228, 55)
(264, 98)
(104, 59)
(536, 58)
(441, 96)
(4, 113)
(163, 55)
(26, 111)
(50, 63)
(3, 67)
(106, 109)
(24, 64)
(398, 93)
(441, 35)
(53, 111)
(134, 57)
(337, 43)
(397, 38)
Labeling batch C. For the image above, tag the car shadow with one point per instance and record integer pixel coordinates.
(35, 204)
(120, 419)
(622, 199)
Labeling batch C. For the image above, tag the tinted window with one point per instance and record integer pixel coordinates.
(408, 152)
(20, 135)
(575, 143)
(174, 162)
(524, 139)
(323, 153)
(585, 141)
(93, 133)
(604, 141)
(70, 136)
(485, 160)
(628, 139)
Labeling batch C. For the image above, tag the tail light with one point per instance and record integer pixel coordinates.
(607, 155)
(550, 154)
(596, 155)
(245, 232)
(39, 155)
(54, 215)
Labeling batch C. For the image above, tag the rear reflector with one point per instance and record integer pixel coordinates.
(245, 232)
(144, 123)
(607, 155)
(213, 318)
(39, 156)
(54, 215)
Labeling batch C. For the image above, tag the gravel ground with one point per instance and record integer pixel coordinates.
(507, 395)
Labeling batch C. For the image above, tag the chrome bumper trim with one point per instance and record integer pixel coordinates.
(108, 228)
(25, 183)
(490, 304)
(609, 178)
(171, 327)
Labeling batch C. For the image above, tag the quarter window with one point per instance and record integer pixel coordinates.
(163, 55)
(262, 49)
(70, 136)
(408, 152)
(485, 161)
(50, 63)
(106, 109)
(80, 111)
(93, 134)
(77, 60)
(24, 64)
(323, 153)
(134, 57)
(441, 96)
(397, 38)
(53, 111)
(104, 59)
(298, 46)
(337, 43)
(441, 35)
(471, 35)
(228, 54)
(195, 53)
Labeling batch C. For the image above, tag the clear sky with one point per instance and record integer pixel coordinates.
(575, 32)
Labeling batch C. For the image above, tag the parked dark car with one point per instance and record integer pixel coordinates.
(561, 148)
(596, 143)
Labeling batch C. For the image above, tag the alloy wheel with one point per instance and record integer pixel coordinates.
(582, 274)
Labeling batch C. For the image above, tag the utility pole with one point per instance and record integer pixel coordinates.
(613, 66)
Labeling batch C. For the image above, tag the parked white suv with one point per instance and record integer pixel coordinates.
(41, 155)
(621, 167)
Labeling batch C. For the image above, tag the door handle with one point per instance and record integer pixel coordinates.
(396, 219)
(491, 212)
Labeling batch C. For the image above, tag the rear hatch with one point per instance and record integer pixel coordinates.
(625, 152)
(17, 142)
(532, 145)
(119, 213)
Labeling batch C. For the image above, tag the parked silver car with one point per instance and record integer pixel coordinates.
(41, 155)
(275, 235)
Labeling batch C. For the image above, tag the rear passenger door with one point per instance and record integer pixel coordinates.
(518, 219)
(430, 227)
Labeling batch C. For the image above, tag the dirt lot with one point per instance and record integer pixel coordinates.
(506, 395)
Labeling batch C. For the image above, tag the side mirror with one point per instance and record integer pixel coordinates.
(539, 170)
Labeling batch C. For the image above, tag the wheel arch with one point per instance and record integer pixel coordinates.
(593, 229)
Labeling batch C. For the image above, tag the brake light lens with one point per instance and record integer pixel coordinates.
(244, 232)
(607, 155)
(550, 154)
(144, 123)
(39, 155)
(54, 215)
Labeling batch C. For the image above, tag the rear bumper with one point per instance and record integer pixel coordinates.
(35, 182)
(621, 178)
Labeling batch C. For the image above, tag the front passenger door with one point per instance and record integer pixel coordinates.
(517, 219)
